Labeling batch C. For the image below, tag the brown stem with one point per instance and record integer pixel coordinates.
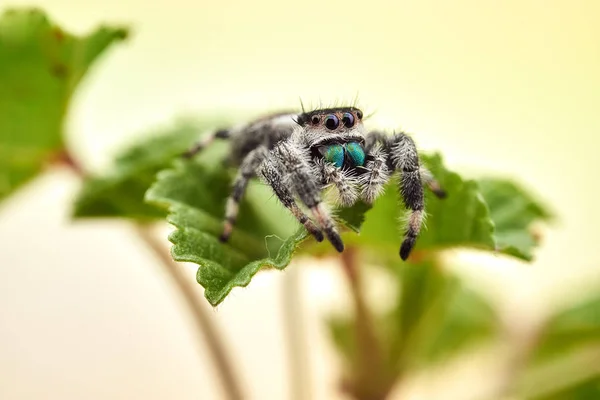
(215, 346)
(370, 382)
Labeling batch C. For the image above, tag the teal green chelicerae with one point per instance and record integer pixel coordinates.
(356, 154)
(335, 155)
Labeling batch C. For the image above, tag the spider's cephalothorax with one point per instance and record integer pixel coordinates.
(299, 155)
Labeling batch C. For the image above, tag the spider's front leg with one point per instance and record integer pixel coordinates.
(380, 144)
(287, 170)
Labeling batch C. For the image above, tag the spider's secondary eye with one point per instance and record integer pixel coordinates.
(356, 153)
(359, 114)
(332, 122)
(334, 154)
(348, 120)
(315, 120)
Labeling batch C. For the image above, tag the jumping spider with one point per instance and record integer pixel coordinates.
(300, 154)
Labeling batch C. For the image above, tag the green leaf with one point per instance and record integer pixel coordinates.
(513, 211)
(40, 67)
(194, 193)
(120, 192)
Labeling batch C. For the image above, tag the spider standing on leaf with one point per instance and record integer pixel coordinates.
(299, 155)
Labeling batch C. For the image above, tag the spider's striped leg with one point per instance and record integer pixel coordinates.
(247, 170)
(205, 141)
(405, 158)
(271, 173)
(300, 177)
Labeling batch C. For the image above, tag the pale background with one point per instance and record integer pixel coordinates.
(508, 87)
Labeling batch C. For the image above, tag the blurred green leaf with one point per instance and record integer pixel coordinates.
(513, 211)
(433, 317)
(40, 67)
(120, 192)
(565, 364)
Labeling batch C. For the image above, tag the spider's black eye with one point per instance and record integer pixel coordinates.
(332, 122)
(359, 114)
(348, 120)
(315, 120)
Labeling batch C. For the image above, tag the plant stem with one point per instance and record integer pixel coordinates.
(370, 384)
(293, 318)
(215, 345)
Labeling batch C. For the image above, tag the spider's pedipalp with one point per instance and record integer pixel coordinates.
(344, 182)
(377, 174)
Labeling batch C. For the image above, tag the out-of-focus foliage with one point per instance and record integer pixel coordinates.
(40, 67)
(120, 193)
(565, 363)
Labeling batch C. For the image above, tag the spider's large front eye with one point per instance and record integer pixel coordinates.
(332, 122)
(348, 120)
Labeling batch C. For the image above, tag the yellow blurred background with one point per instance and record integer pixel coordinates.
(509, 88)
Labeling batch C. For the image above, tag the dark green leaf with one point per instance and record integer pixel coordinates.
(40, 67)
(194, 194)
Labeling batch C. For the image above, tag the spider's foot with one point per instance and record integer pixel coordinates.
(227, 230)
(335, 240)
(326, 223)
(437, 190)
(406, 247)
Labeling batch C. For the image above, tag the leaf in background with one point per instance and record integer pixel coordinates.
(40, 67)
(513, 211)
(566, 361)
(120, 193)
(463, 219)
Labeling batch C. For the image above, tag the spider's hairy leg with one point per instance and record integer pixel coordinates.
(295, 162)
(345, 183)
(433, 185)
(205, 141)
(377, 174)
(270, 172)
(247, 170)
(406, 159)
